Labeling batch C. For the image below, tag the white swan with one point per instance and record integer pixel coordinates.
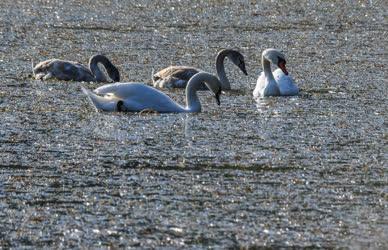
(278, 83)
(67, 70)
(178, 76)
(133, 97)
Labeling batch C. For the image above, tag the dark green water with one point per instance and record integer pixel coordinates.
(303, 171)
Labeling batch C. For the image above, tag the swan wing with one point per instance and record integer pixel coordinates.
(174, 76)
(286, 84)
(121, 90)
(138, 96)
(180, 72)
(170, 82)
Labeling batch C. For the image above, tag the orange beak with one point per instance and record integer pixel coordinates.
(282, 66)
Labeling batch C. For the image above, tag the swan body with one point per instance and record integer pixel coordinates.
(134, 97)
(178, 76)
(286, 84)
(277, 83)
(67, 70)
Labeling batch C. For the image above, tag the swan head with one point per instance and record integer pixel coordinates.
(237, 59)
(276, 57)
(215, 87)
(217, 96)
(211, 81)
(214, 84)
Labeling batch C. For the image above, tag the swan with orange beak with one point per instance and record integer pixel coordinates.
(277, 83)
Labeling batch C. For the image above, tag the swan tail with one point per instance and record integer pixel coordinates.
(155, 78)
(99, 102)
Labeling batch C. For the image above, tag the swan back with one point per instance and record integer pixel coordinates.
(132, 97)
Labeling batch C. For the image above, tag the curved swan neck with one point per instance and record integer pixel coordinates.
(221, 69)
(110, 68)
(267, 68)
(192, 102)
(195, 83)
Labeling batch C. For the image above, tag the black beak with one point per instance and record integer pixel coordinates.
(217, 96)
(243, 69)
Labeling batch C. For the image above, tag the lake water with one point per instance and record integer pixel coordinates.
(306, 171)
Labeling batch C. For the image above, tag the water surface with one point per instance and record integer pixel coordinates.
(300, 171)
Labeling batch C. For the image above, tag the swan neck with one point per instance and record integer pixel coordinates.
(221, 70)
(113, 72)
(192, 101)
(195, 83)
(267, 68)
(97, 73)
